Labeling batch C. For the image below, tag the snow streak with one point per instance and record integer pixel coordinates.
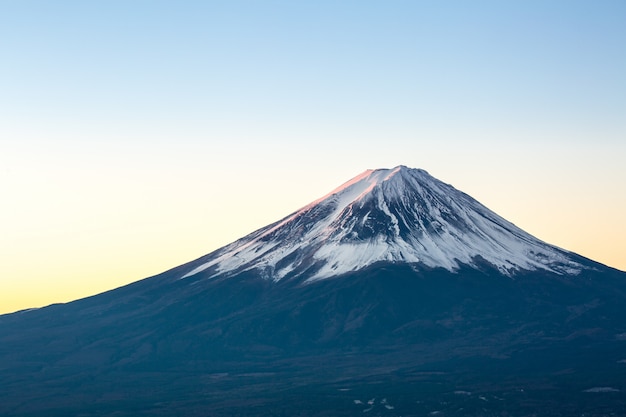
(399, 215)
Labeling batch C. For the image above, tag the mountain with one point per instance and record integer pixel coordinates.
(394, 295)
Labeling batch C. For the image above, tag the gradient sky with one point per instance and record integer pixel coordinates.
(139, 135)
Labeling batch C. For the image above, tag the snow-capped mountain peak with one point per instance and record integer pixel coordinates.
(398, 215)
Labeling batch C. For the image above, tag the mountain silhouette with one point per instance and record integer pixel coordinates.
(394, 295)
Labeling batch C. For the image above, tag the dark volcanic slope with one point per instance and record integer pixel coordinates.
(388, 338)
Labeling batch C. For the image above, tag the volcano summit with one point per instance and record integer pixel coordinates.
(398, 215)
(393, 295)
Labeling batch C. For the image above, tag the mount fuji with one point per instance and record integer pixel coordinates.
(393, 295)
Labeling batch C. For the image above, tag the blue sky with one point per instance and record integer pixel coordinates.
(154, 69)
(149, 130)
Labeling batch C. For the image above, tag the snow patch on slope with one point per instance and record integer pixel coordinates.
(398, 215)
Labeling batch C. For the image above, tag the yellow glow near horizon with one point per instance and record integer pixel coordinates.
(94, 223)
